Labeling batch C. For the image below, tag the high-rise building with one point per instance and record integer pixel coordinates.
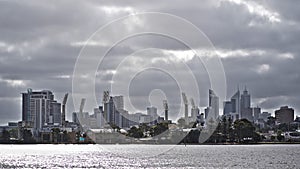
(284, 115)
(124, 122)
(195, 112)
(206, 112)
(256, 113)
(40, 109)
(227, 108)
(99, 115)
(152, 111)
(264, 116)
(213, 103)
(246, 111)
(111, 111)
(235, 102)
(55, 113)
(245, 100)
(119, 102)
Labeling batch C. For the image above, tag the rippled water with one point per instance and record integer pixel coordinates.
(150, 156)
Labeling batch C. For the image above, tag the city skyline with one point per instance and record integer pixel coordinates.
(55, 114)
(258, 48)
(150, 84)
(119, 104)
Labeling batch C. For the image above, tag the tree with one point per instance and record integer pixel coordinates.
(27, 136)
(13, 133)
(55, 135)
(65, 137)
(160, 128)
(280, 137)
(192, 137)
(244, 130)
(115, 127)
(135, 132)
(271, 121)
(5, 136)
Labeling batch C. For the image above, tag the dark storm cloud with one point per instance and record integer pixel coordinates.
(40, 42)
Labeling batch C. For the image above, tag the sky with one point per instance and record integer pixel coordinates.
(256, 41)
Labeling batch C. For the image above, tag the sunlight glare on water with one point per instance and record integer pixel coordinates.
(132, 156)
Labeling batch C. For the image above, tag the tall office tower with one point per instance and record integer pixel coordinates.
(245, 99)
(186, 108)
(236, 102)
(98, 112)
(55, 113)
(246, 111)
(284, 115)
(166, 108)
(119, 102)
(194, 110)
(63, 114)
(105, 100)
(124, 119)
(40, 109)
(206, 112)
(111, 111)
(227, 108)
(152, 111)
(75, 117)
(213, 103)
(256, 113)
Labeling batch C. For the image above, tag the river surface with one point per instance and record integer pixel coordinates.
(150, 156)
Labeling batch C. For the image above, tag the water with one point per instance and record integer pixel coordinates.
(150, 156)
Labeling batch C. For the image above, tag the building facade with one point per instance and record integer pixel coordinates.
(40, 109)
(284, 115)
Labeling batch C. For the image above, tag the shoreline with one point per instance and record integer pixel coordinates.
(258, 143)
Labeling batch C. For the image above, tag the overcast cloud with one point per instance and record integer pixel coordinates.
(257, 41)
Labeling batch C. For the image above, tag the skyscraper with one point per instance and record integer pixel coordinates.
(246, 111)
(227, 108)
(195, 112)
(119, 102)
(235, 102)
(213, 104)
(245, 100)
(111, 111)
(152, 111)
(55, 113)
(98, 112)
(256, 113)
(40, 109)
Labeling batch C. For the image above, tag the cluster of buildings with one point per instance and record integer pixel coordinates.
(239, 107)
(40, 110)
(113, 114)
(41, 113)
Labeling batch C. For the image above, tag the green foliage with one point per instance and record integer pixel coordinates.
(244, 129)
(280, 137)
(135, 132)
(5, 136)
(27, 136)
(159, 128)
(192, 137)
(115, 127)
(143, 130)
(239, 131)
